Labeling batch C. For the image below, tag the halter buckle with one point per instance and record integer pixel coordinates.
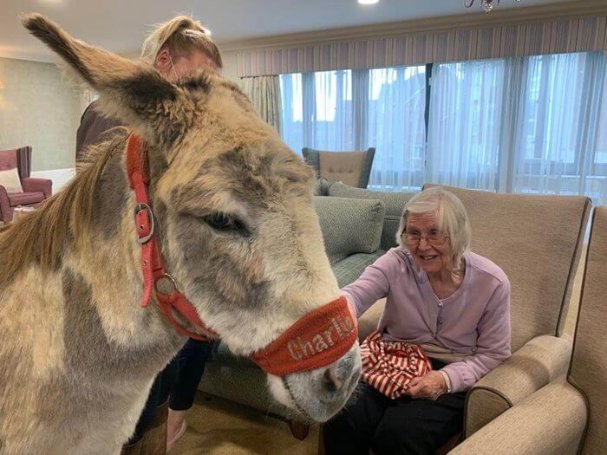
(144, 222)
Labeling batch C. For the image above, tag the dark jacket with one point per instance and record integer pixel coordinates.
(93, 128)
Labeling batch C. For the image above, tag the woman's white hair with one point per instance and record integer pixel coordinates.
(451, 217)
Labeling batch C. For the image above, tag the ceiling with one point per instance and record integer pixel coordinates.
(121, 25)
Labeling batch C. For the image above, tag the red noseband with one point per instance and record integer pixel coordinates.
(318, 339)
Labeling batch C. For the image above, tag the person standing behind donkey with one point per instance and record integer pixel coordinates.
(176, 48)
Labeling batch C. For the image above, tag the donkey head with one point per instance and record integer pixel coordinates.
(234, 206)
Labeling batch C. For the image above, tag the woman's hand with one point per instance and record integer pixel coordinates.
(430, 386)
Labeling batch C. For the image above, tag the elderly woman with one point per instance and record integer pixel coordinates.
(446, 300)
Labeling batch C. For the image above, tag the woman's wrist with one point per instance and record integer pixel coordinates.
(447, 385)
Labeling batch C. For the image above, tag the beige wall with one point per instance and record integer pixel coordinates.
(230, 62)
(40, 107)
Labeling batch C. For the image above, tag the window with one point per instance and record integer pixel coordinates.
(531, 125)
(356, 109)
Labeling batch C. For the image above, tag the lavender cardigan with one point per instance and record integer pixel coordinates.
(473, 323)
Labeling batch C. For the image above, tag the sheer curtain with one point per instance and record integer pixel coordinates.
(396, 127)
(559, 134)
(264, 93)
(357, 109)
(317, 110)
(464, 126)
(528, 125)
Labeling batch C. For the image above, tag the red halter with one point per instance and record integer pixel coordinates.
(317, 339)
(155, 277)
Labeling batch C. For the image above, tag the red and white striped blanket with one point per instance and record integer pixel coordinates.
(389, 366)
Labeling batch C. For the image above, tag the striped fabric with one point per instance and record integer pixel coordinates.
(389, 366)
(519, 39)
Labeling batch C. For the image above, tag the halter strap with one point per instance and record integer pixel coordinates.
(155, 278)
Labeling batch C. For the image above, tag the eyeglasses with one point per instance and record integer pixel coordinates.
(434, 238)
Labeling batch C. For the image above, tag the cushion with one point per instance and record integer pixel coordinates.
(349, 226)
(10, 180)
(349, 269)
(394, 202)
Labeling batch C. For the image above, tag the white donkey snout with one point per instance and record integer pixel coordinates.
(319, 394)
(341, 374)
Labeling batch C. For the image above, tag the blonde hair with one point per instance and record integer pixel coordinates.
(181, 36)
(450, 214)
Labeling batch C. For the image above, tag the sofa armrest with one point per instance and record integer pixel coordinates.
(537, 363)
(31, 185)
(549, 421)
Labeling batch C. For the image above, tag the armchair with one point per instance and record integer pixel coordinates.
(537, 241)
(28, 191)
(567, 416)
(352, 168)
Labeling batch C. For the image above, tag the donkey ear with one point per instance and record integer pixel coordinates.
(133, 92)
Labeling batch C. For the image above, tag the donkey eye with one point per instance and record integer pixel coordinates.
(225, 223)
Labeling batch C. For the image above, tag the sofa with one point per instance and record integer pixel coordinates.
(17, 188)
(536, 239)
(566, 416)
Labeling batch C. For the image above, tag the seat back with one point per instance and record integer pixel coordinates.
(19, 158)
(351, 168)
(588, 369)
(8, 159)
(537, 241)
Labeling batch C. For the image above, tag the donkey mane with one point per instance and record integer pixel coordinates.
(41, 236)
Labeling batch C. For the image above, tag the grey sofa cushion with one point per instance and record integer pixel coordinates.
(394, 203)
(349, 269)
(349, 226)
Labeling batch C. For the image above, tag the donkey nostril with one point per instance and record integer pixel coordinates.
(330, 380)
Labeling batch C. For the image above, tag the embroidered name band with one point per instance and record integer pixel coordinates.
(316, 340)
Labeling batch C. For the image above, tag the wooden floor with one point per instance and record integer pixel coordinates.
(220, 427)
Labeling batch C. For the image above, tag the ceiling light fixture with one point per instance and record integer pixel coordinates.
(487, 5)
(368, 2)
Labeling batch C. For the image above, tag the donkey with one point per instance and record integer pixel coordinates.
(230, 209)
